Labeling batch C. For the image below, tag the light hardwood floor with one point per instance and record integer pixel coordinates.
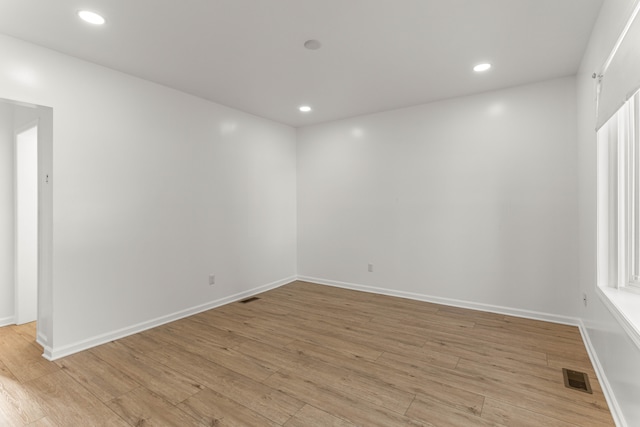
(309, 355)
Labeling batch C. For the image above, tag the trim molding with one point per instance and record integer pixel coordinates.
(614, 407)
(53, 353)
(618, 312)
(6, 321)
(41, 338)
(535, 315)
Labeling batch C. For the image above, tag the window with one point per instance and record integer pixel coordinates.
(619, 198)
(618, 157)
(618, 154)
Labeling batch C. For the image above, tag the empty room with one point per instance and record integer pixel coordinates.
(320, 213)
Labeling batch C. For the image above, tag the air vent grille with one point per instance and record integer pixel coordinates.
(576, 380)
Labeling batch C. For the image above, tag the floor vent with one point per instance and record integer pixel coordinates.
(576, 380)
(244, 301)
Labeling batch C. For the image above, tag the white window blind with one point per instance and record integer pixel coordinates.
(620, 75)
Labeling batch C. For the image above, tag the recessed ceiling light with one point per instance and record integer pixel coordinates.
(91, 17)
(482, 67)
(305, 108)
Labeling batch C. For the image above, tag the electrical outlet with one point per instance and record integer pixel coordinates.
(212, 279)
(584, 299)
(370, 268)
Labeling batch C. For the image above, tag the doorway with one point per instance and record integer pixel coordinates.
(26, 224)
(26, 217)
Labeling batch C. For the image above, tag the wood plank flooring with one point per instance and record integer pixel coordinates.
(309, 355)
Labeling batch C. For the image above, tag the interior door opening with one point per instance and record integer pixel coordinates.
(26, 218)
(26, 225)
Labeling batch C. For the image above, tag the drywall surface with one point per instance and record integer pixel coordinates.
(470, 199)
(153, 191)
(615, 351)
(6, 215)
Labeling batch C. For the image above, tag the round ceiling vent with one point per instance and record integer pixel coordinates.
(312, 44)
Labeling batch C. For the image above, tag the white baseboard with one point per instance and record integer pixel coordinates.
(6, 321)
(614, 407)
(41, 338)
(53, 353)
(528, 314)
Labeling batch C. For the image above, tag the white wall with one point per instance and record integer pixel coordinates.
(153, 190)
(471, 199)
(6, 214)
(616, 353)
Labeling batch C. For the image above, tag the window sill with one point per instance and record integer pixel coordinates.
(625, 307)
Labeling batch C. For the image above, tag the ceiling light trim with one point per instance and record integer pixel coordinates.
(91, 17)
(485, 66)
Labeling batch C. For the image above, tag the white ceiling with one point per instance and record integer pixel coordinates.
(376, 55)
